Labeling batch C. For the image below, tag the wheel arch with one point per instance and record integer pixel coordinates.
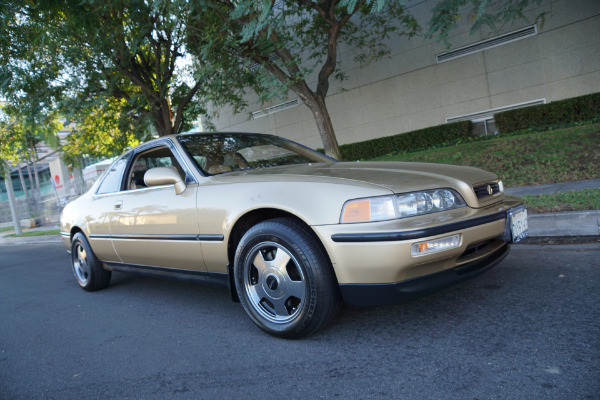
(251, 218)
(75, 230)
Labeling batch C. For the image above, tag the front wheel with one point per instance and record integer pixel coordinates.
(87, 268)
(284, 279)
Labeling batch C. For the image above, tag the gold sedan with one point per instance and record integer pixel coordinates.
(290, 231)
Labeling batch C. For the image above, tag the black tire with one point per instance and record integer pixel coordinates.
(88, 270)
(284, 279)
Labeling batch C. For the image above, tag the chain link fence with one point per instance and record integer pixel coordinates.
(45, 209)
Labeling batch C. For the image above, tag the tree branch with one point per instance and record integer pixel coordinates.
(180, 107)
(331, 61)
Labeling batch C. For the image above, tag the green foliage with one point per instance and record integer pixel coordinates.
(281, 46)
(539, 117)
(103, 131)
(407, 142)
(446, 15)
(20, 133)
(79, 58)
(301, 35)
(166, 59)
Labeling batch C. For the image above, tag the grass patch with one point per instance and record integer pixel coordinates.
(588, 199)
(8, 229)
(564, 155)
(36, 233)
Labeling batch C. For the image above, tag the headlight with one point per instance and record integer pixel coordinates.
(400, 206)
(368, 210)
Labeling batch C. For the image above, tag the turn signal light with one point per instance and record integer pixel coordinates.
(433, 246)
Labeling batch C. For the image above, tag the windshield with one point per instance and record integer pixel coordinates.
(217, 153)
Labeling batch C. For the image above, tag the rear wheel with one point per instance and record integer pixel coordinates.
(87, 268)
(284, 279)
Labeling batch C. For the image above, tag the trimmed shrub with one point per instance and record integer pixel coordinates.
(367, 149)
(407, 142)
(583, 108)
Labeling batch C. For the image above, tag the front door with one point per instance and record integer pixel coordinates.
(154, 226)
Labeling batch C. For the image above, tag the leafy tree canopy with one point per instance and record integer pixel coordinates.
(88, 58)
(159, 62)
(295, 44)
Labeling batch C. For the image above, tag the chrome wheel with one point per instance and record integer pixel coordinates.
(81, 266)
(274, 282)
(284, 280)
(88, 270)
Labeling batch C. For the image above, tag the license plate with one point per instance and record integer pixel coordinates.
(518, 224)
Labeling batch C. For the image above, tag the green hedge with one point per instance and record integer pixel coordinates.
(406, 142)
(575, 109)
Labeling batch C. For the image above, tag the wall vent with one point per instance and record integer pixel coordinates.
(275, 108)
(489, 114)
(487, 44)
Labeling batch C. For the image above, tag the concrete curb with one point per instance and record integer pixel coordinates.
(553, 188)
(4, 241)
(572, 223)
(33, 239)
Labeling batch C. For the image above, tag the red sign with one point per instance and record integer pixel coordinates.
(57, 182)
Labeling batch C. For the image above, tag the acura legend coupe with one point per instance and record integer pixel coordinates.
(288, 230)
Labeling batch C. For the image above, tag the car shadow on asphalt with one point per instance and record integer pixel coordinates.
(465, 303)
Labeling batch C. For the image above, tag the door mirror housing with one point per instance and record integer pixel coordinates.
(160, 176)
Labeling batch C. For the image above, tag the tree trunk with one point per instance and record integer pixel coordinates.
(163, 121)
(37, 177)
(317, 105)
(30, 176)
(35, 171)
(315, 101)
(23, 185)
(11, 202)
(35, 193)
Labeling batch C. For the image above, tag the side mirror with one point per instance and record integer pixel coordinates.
(164, 176)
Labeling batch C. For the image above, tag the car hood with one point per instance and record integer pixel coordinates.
(398, 177)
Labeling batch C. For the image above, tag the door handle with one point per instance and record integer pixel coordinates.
(118, 205)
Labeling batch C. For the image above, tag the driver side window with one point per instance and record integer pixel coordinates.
(157, 157)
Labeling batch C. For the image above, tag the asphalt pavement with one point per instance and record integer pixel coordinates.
(526, 329)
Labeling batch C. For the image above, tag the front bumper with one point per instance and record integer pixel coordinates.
(392, 293)
(375, 259)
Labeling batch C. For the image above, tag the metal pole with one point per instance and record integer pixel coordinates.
(12, 204)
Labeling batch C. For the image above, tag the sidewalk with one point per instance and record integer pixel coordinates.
(554, 188)
(573, 223)
(562, 224)
(31, 239)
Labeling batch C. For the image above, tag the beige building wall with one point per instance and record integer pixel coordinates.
(410, 90)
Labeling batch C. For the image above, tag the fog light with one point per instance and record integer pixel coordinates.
(433, 246)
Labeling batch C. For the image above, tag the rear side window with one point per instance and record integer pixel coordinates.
(114, 177)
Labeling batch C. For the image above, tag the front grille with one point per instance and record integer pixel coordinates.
(482, 191)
